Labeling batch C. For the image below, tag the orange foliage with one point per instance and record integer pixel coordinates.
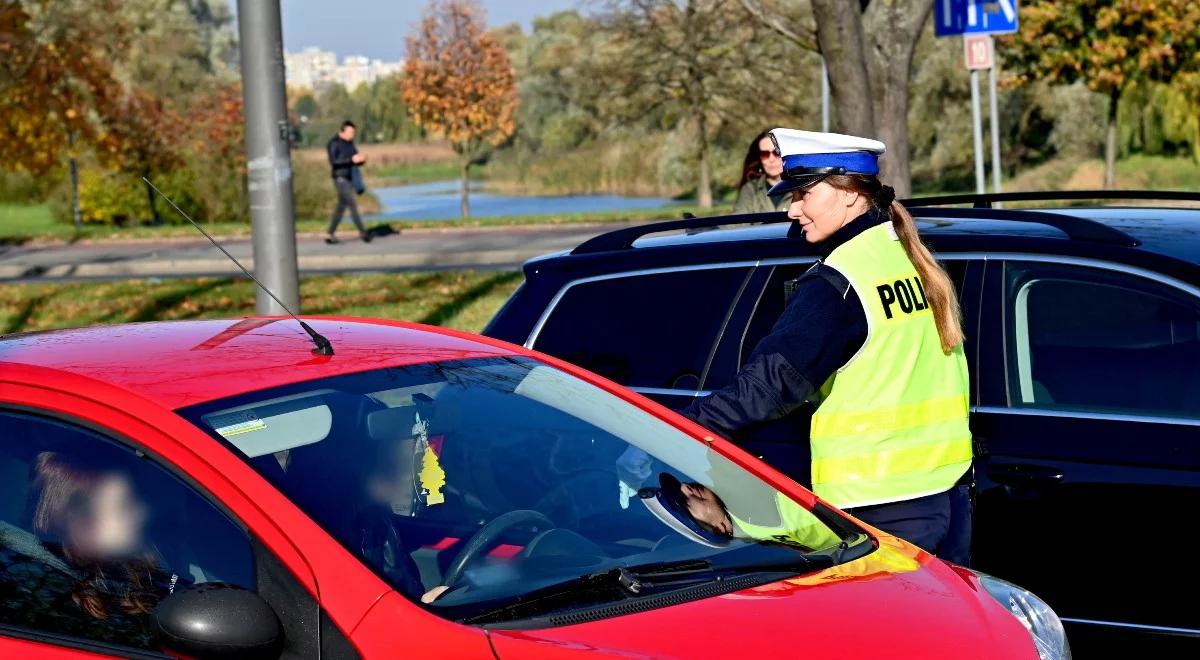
(458, 81)
(56, 80)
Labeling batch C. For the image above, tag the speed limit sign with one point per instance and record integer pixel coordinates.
(978, 51)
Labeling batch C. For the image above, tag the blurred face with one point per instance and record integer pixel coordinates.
(822, 210)
(707, 510)
(347, 133)
(772, 164)
(109, 524)
(391, 484)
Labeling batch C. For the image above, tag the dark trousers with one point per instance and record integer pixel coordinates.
(345, 200)
(939, 524)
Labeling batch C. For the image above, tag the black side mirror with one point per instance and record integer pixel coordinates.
(217, 620)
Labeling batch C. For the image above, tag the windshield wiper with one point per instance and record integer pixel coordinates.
(636, 578)
(624, 582)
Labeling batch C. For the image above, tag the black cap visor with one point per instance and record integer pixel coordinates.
(802, 178)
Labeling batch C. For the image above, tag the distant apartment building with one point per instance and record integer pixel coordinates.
(315, 69)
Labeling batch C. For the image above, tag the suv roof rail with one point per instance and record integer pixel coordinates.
(985, 201)
(1075, 227)
(623, 239)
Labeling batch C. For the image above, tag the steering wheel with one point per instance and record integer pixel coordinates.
(486, 537)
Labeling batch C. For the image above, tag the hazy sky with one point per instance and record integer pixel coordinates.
(376, 28)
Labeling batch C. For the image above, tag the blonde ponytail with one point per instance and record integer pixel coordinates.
(939, 289)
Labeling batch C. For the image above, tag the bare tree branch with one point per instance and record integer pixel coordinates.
(806, 39)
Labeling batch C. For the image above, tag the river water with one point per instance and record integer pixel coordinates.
(440, 200)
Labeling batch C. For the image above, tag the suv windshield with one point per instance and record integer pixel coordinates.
(477, 484)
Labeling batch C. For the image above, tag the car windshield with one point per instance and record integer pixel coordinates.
(470, 485)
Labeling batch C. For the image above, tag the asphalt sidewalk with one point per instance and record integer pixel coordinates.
(498, 247)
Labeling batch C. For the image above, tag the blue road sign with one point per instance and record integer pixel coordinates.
(955, 17)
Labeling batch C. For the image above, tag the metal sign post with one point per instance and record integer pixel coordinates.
(978, 54)
(824, 96)
(995, 119)
(977, 20)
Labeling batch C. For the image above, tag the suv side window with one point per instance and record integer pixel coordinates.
(1089, 339)
(93, 535)
(770, 304)
(653, 330)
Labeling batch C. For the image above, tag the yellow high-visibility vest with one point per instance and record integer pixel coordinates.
(892, 425)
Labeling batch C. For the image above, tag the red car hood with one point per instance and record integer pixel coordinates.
(896, 603)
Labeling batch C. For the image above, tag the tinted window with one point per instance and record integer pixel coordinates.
(93, 535)
(770, 305)
(645, 331)
(1088, 339)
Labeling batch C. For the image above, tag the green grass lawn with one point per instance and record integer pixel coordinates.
(22, 220)
(464, 300)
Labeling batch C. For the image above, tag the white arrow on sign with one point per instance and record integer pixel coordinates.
(1006, 7)
(1010, 13)
(947, 17)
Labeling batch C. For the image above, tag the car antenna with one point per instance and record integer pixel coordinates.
(323, 345)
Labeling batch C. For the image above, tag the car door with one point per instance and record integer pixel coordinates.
(654, 331)
(95, 531)
(1090, 416)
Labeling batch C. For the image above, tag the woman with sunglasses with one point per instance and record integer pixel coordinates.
(761, 169)
(872, 336)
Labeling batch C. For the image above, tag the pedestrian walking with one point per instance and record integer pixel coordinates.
(344, 160)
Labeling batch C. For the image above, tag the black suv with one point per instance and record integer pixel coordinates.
(1083, 331)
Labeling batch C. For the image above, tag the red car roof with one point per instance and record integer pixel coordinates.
(180, 363)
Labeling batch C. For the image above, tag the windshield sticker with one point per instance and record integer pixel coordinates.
(237, 423)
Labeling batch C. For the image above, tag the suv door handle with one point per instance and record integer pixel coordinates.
(1024, 480)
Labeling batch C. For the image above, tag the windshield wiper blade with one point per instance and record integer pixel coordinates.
(636, 578)
(609, 585)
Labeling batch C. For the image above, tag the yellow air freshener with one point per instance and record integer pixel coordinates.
(433, 477)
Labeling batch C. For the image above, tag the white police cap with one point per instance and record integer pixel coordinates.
(808, 157)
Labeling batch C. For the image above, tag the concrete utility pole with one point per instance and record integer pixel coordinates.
(268, 154)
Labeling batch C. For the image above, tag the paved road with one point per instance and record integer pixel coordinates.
(505, 247)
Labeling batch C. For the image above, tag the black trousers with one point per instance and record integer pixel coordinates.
(345, 200)
(939, 524)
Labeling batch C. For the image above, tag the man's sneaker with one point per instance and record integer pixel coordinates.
(366, 237)
(331, 239)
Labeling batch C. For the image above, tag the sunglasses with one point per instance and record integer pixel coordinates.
(764, 154)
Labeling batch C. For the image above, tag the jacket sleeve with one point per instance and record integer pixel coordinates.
(820, 329)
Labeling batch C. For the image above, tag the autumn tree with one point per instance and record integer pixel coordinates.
(459, 83)
(56, 83)
(868, 47)
(1110, 45)
(694, 59)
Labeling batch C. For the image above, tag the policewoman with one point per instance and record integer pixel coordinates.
(872, 336)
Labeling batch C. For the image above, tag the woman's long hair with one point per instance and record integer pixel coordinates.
(61, 486)
(939, 289)
(752, 166)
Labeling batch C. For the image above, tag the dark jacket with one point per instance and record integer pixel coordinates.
(821, 328)
(341, 154)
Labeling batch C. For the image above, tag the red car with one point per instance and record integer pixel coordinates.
(217, 489)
